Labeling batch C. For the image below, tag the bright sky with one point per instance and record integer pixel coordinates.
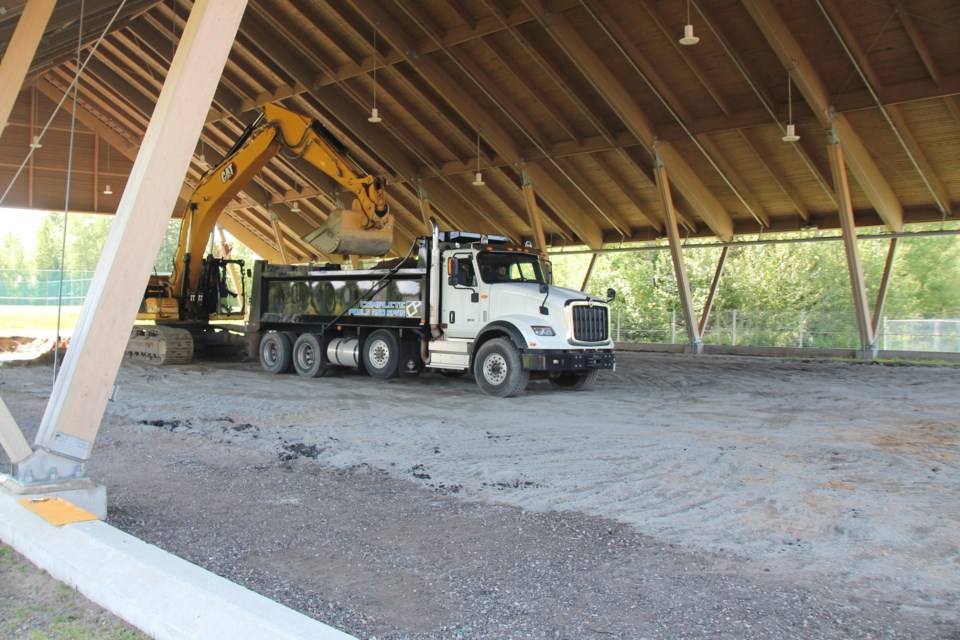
(22, 222)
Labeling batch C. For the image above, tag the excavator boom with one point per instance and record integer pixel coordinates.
(184, 297)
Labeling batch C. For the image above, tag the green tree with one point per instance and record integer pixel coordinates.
(86, 237)
(49, 243)
(12, 255)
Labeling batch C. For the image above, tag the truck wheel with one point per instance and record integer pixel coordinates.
(574, 380)
(498, 370)
(308, 357)
(275, 352)
(381, 354)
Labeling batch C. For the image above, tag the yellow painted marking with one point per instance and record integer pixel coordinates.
(56, 511)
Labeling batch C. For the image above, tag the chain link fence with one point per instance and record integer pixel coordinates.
(793, 329)
(803, 328)
(43, 288)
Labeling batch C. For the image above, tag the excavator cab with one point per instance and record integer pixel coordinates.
(214, 299)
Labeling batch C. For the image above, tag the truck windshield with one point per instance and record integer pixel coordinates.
(513, 267)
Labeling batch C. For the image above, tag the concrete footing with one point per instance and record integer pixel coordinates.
(86, 493)
(163, 595)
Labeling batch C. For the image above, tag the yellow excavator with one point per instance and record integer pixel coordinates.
(183, 304)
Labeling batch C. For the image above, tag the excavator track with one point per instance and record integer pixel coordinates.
(160, 345)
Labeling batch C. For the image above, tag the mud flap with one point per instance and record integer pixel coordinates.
(344, 233)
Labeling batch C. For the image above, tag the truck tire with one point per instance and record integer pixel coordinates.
(308, 357)
(381, 354)
(574, 380)
(498, 369)
(276, 352)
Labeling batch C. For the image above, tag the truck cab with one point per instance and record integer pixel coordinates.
(503, 319)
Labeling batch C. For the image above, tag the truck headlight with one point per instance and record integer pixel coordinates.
(543, 330)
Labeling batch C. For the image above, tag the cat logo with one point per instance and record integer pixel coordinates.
(228, 172)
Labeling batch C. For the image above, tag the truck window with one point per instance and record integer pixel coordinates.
(465, 275)
(510, 267)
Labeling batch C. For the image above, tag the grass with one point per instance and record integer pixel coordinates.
(31, 320)
(43, 609)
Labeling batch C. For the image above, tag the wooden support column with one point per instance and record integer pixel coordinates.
(533, 214)
(12, 440)
(708, 307)
(426, 211)
(884, 283)
(586, 276)
(849, 230)
(676, 252)
(278, 235)
(73, 415)
(19, 54)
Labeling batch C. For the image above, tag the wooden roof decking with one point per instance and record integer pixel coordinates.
(574, 95)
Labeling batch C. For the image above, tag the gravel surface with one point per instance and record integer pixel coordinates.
(665, 503)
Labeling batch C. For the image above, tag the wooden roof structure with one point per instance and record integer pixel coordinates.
(577, 105)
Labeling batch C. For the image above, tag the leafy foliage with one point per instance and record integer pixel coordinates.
(801, 291)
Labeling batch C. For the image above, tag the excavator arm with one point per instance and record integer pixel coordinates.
(365, 229)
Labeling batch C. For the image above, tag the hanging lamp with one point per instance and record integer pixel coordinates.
(296, 203)
(791, 135)
(107, 191)
(374, 113)
(478, 178)
(688, 37)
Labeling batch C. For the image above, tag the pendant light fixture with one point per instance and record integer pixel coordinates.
(36, 144)
(478, 179)
(296, 203)
(791, 128)
(107, 191)
(374, 113)
(688, 37)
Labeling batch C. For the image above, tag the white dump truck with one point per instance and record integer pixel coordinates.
(465, 303)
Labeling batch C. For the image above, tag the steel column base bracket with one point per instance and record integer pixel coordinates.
(50, 474)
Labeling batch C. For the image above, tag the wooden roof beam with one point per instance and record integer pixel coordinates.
(508, 64)
(792, 57)
(920, 44)
(620, 37)
(782, 182)
(20, 53)
(434, 74)
(702, 76)
(602, 162)
(704, 202)
(849, 38)
(923, 166)
(548, 190)
(740, 188)
(596, 196)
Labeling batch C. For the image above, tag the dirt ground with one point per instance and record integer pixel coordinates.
(681, 497)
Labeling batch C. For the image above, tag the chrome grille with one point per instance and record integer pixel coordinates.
(591, 323)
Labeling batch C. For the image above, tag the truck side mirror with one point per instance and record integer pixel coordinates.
(611, 295)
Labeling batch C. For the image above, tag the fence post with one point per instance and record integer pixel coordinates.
(884, 333)
(618, 324)
(673, 326)
(802, 319)
(733, 329)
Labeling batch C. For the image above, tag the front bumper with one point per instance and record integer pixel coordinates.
(561, 360)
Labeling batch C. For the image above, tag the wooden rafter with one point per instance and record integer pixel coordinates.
(702, 76)
(593, 68)
(792, 56)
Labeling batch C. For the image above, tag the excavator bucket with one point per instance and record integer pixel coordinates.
(344, 233)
